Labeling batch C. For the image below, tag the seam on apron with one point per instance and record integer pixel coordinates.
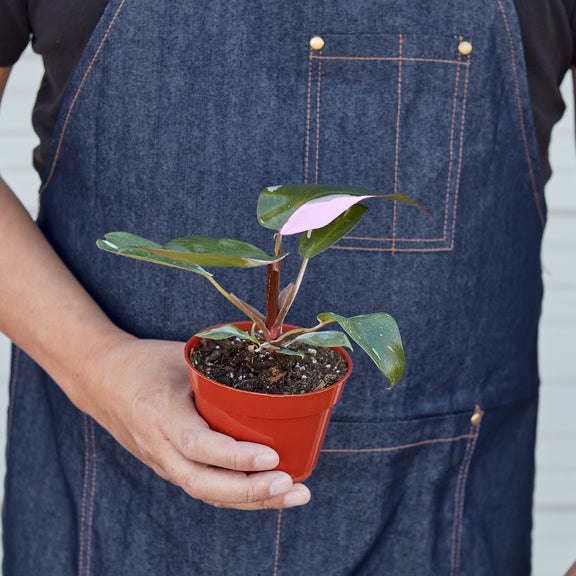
(308, 121)
(318, 119)
(73, 103)
(468, 436)
(84, 491)
(277, 553)
(87, 501)
(521, 114)
(459, 497)
(308, 112)
(366, 249)
(93, 490)
(460, 155)
(392, 59)
(12, 396)
(397, 143)
(451, 162)
(9, 427)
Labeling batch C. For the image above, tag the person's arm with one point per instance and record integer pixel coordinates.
(136, 389)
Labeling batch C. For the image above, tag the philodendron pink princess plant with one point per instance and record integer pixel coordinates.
(321, 214)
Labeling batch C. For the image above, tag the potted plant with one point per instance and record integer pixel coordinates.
(262, 380)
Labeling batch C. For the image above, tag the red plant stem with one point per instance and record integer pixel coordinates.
(273, 292)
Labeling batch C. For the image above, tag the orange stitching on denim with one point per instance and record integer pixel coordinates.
(309, 104)
(459, 496)
(277, 553)
(394, 448)
(84, 491)
(65, 126)
(395, 240)
(456, 507)
(392, 59)
(318, 118)
(461, 149)
(521, 114)
(399, 239)
(397, 144)
(366, 249)
(92, 491)
(451, 150)
(463, 490)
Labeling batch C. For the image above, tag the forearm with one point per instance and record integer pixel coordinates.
(43, 308)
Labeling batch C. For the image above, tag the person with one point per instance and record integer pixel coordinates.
(164, 120)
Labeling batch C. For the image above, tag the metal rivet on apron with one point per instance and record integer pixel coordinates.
(465, 48)
(476, 419)
(316, 42)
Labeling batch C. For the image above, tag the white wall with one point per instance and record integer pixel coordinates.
(555, 506)
(555, 501)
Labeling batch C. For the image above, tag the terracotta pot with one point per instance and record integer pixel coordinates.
(294, 424)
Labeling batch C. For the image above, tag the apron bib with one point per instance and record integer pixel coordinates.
(177, 116)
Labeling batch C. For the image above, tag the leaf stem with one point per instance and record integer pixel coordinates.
(247, 309)
(298, 331)
(273, 291)
(291, 296)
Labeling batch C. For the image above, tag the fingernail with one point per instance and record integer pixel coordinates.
(296, 498)
(266, 461)
(280, 486)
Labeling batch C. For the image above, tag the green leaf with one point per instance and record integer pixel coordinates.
(404, 199)
(115, 241)
(277, 203)
(287, 352)
(222, 252)
(328, 338)
(316, 241)
(189, 253)
(226, 331)
(379, 336)
(132, 246)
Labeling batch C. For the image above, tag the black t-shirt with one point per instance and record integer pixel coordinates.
(60, 29)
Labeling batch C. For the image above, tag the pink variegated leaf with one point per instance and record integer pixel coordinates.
(319, 212)
(295, 208)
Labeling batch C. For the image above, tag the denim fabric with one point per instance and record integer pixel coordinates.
(177, 116)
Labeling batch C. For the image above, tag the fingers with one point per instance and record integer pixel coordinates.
(232, 489)
(215, 449)
(192, 437)
(298, 496)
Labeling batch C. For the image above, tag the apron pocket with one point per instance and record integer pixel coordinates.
(387, 111)
(392, 495)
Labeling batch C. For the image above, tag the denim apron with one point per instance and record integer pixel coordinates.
(178, 114)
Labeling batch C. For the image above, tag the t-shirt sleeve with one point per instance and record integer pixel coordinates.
(14, 30)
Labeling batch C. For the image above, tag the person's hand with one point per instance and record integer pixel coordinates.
(142, 397)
